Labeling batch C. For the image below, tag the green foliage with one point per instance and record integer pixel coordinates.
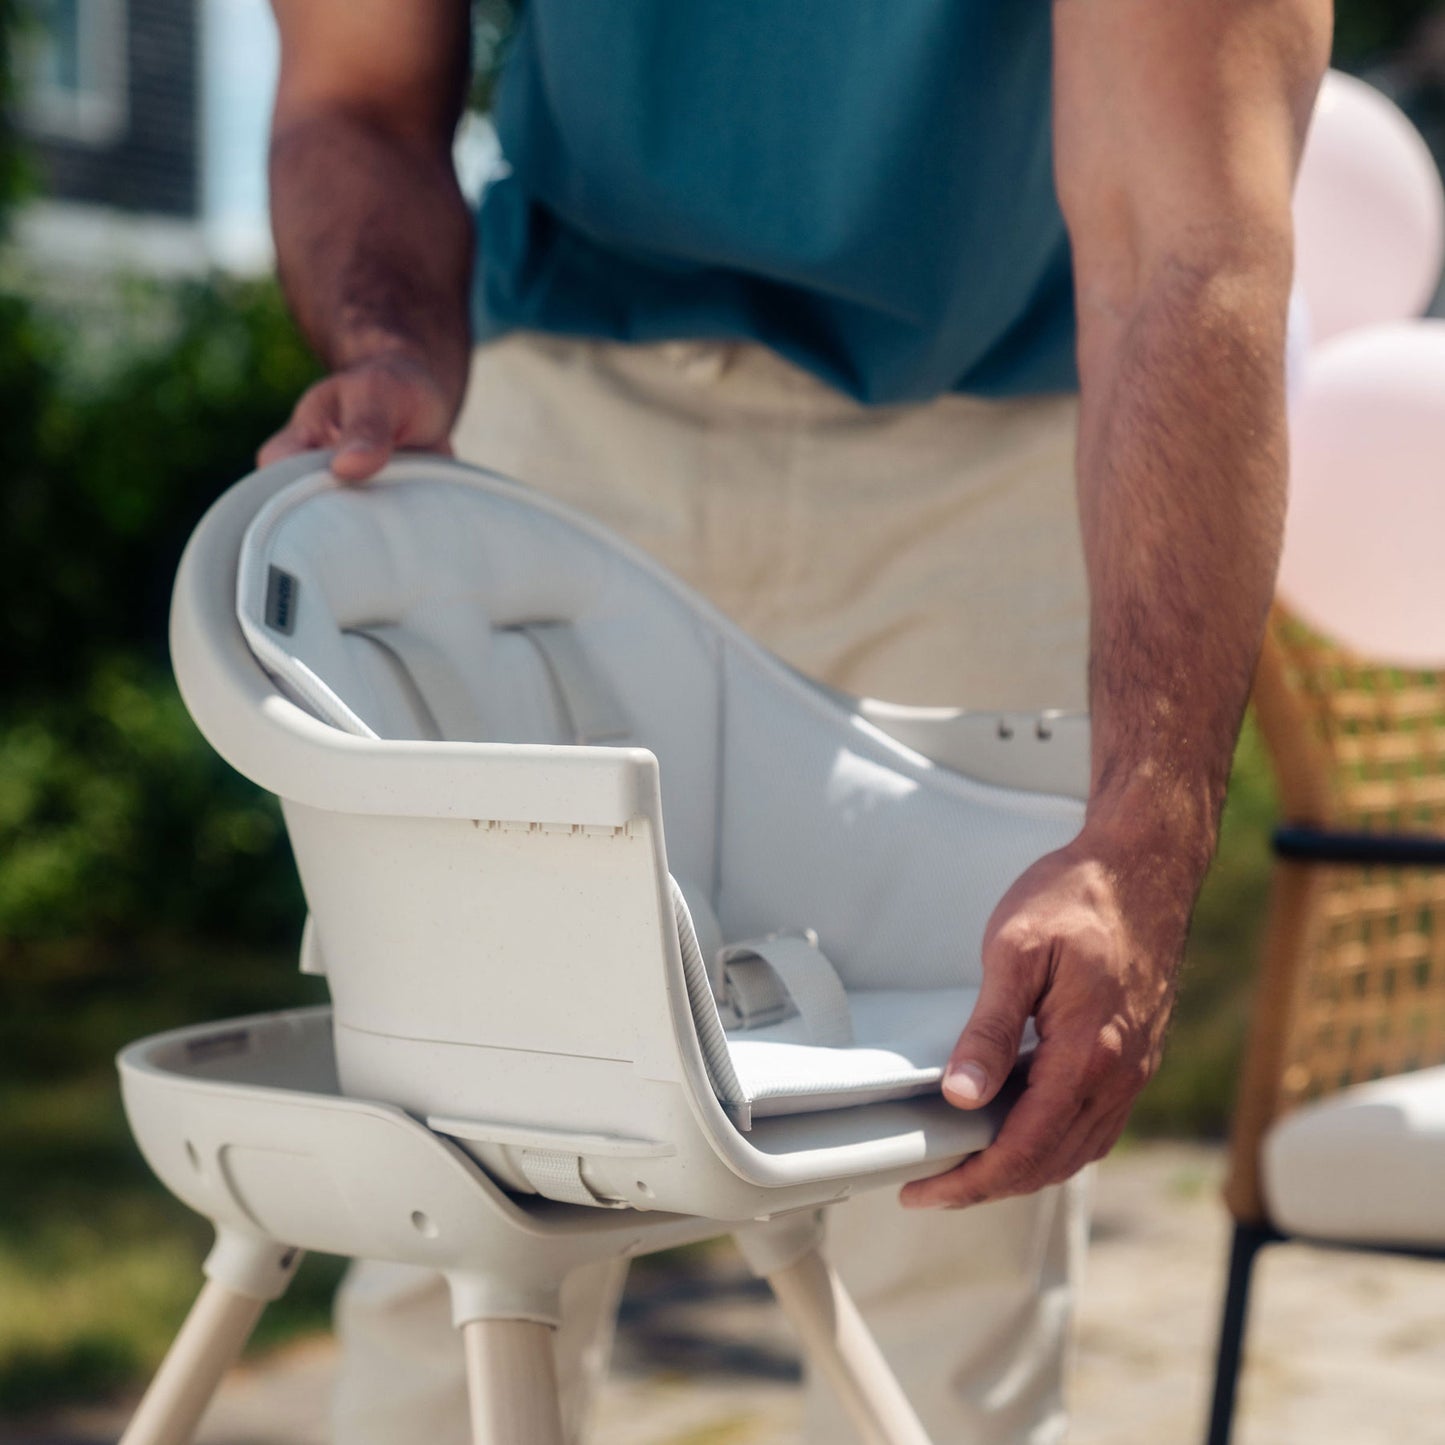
(1367, 29)
(15, 177)
(104, 480)
(97, 1263)
(142, 884)
(494, 23)
(115, 818)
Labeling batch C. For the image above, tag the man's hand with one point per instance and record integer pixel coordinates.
(1087, 942)
(373, 239)
(366, 412)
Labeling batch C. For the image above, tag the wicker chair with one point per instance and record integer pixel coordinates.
(1350, 1010)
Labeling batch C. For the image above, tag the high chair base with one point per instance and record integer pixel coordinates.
(243, 1122)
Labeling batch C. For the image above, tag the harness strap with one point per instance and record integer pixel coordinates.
(763, 975)
(556, 1175)
(439, 687)
(591, 706)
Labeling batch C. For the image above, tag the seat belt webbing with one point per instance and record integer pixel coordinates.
(557, 1175)
(436, 680)
(590, 704)
(804, 971)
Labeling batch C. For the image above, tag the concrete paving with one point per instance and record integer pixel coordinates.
(1346, 1349)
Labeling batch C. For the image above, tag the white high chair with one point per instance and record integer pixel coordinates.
(555, 1037)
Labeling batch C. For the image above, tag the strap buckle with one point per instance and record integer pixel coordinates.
(782, 976)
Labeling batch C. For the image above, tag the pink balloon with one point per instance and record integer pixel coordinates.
(1364, 549)
(1369, 212)
(1298, 338)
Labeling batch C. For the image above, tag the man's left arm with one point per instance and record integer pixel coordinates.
(1177, 127)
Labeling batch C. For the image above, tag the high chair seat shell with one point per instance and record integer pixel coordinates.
(595, 880)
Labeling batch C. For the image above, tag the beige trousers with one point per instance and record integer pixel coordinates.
(926, 554)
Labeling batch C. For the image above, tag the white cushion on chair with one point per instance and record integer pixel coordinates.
(901, 1040)
(1365, 1166)
(782, 811)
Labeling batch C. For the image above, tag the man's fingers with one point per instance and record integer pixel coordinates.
(367, 429)
(988, 1047)
(312, 425)
(1104, 1135)
(357, 459)
(364, 414)
(1054, 1130)
(292, 439)
(1042, 1132)
(1091, 1143)
(1060, 949)
(1021, 1160)
(284, 444)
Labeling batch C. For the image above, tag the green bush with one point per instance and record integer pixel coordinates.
(114, 816)
(117, 820)
(105, 479)
(142, 884)
(1367, 30)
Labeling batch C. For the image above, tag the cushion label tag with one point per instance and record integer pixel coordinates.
(281, 596)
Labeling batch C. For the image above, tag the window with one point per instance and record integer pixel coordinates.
(72, 68)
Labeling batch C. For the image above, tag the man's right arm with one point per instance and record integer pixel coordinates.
(373, 239)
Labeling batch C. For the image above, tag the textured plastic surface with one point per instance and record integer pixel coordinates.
(243, 1122)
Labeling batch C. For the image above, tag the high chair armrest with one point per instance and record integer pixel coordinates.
(307, 761)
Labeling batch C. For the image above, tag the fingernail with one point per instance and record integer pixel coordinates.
(966, 1081)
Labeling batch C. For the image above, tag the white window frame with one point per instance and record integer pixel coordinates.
(97, 112)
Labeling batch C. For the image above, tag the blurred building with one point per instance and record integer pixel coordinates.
(147, 121)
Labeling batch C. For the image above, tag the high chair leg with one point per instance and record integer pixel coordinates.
(837, 1342)
(512, 1383)
(243, 1274)
(215, 1332)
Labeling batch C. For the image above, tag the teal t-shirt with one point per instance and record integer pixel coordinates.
(866, 186)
